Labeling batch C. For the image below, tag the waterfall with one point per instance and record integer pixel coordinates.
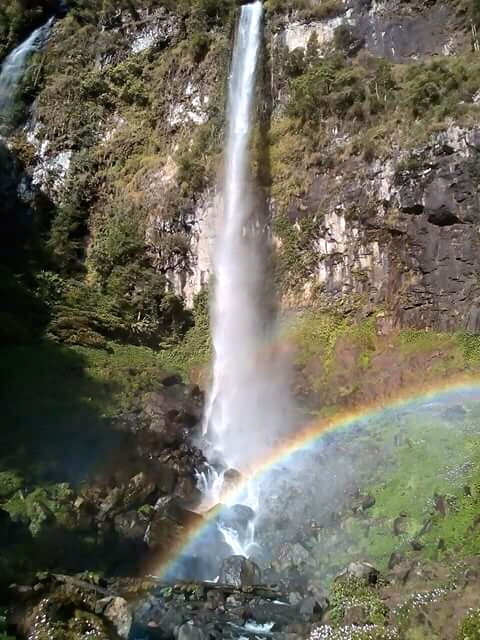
(14, 65)
(248, 404)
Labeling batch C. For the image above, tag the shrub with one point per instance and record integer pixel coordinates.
(329, 88)
(470, 626)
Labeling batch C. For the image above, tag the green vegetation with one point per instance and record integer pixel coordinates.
(470, 627)
(3, 626)
(348, 592)
(297, 255)
(306, 9)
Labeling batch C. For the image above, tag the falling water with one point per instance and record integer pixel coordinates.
(248, 403)
(13, 68)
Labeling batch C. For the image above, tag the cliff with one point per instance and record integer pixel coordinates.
(367, 141)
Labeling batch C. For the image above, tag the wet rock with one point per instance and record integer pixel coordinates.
(239, 572)
(237, 517)
(215, 599)
(173, 413)
(173, 509)
(292, 555)
(119, 614)
(187, 490)
(57, 616)
(189, 631)
(166, 479)
(131, 525)
(140, 490)
(310, 610)
(231, 479)
(363, 571)
(161, 532)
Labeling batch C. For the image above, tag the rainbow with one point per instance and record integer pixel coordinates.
(466, 387)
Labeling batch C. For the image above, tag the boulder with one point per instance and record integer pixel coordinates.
(119, 614)
(363, 571)
(140, 490)
(131, 525)
(236, 517)
(239, 572)
(173, 413)
(189, 631)
(310, 610)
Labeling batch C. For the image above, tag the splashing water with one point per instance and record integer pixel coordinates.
(210, 484)
(240, 545)
(14, 65)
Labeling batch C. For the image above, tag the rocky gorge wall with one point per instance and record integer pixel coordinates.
(374, 201)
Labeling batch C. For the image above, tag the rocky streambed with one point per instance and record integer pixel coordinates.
(77, 559)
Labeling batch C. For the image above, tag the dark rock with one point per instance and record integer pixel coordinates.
(399, 525)
(187, 490)
(173, 509)
(130, 525)
(171, 380)
(236, 517)
(165, 478)
(108, 504)
(440, 504)
(367, 502)
(310, 609)
(172, 414)
(140, 490)
(416, 544)
(231, 479)
(395, 559)
(168, 520)
(189, 631)
(239, 572)
(215, 599)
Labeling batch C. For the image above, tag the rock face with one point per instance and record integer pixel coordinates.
(239, 572)
(398, 233)
(407, 237)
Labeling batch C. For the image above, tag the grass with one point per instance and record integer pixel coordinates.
(57, 405)
(420, 456)
(343, 361)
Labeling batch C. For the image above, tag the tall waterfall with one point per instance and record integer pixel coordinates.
(13, 68)
(248, 402)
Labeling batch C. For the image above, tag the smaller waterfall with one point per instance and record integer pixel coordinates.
(13, 68)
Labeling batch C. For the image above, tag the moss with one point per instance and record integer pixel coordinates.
(470, 626)
(10, 483)
(42, 506)
(348, 592)
(296, 256)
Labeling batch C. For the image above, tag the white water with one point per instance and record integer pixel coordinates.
(239, 546)
(14, 65)
(248, 403)
(210, 483)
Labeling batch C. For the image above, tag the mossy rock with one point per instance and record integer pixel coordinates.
(353, 602)
(10, 482)
(43, 506)
(470, 627)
